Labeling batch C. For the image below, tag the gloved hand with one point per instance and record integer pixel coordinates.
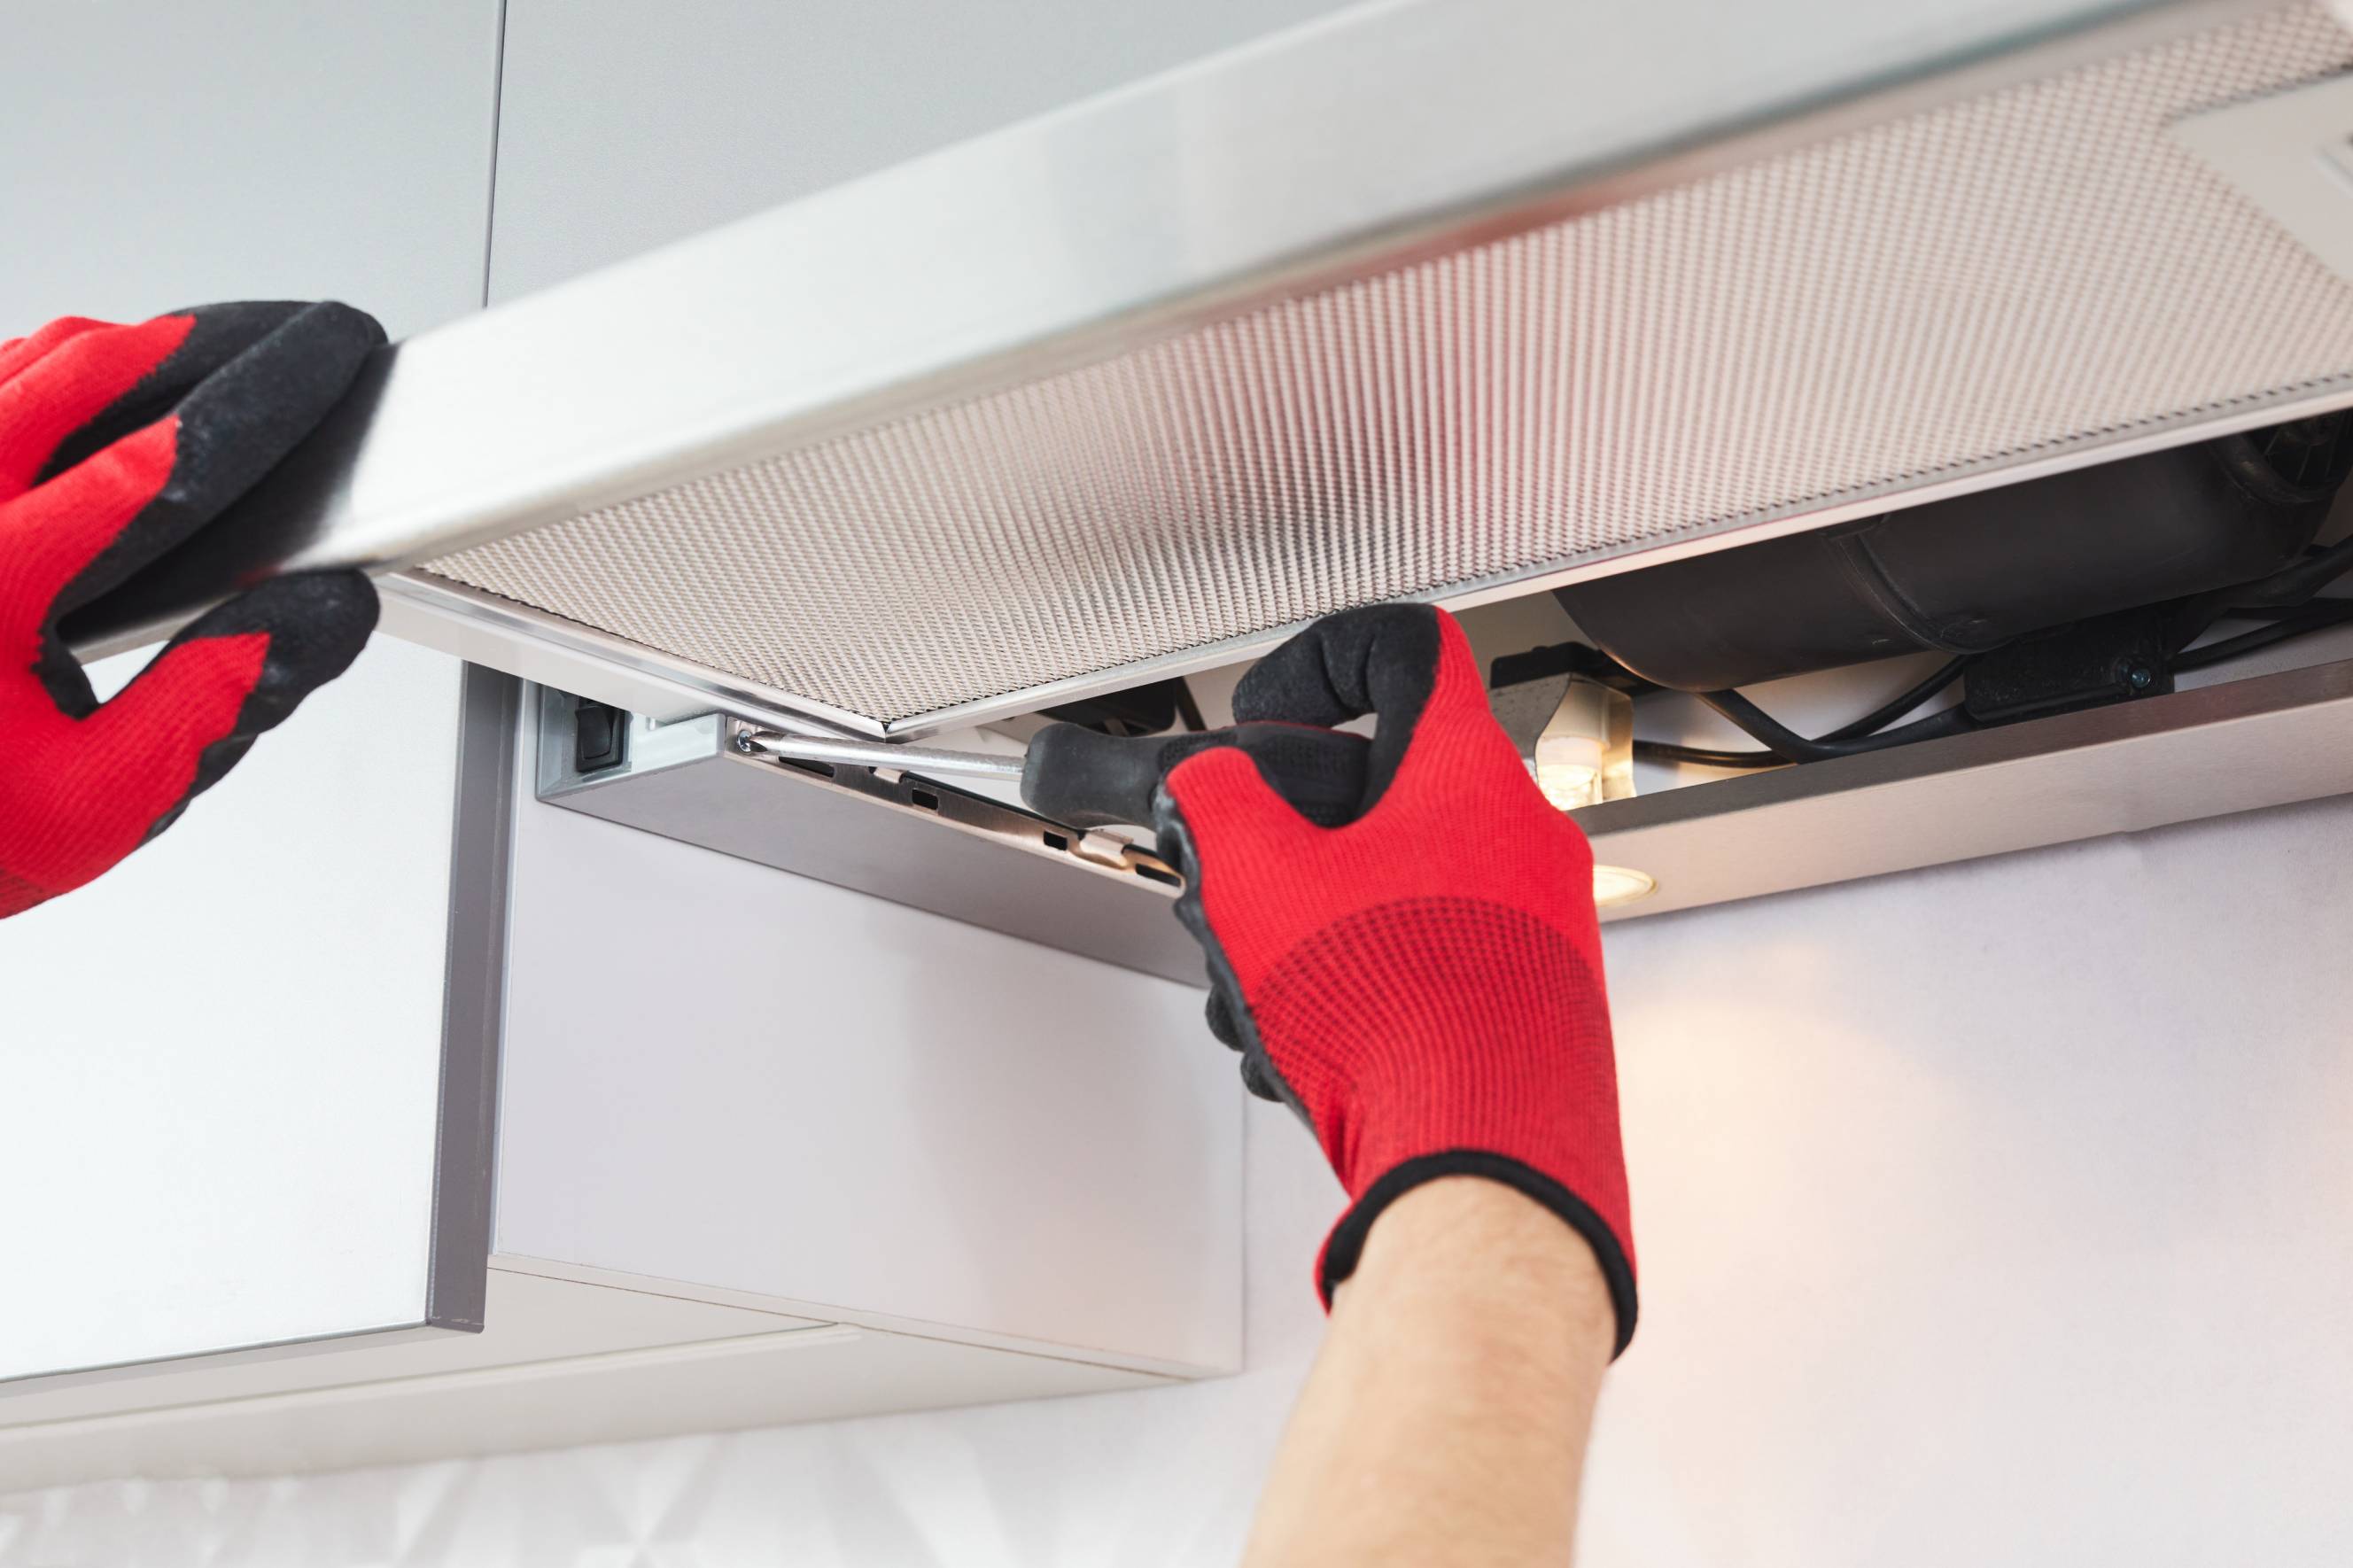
(117, 442)
(1422, 983)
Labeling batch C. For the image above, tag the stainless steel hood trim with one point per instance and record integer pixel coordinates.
(915, 841)
(2242, 745)
(2265, 740)
(1182, 200)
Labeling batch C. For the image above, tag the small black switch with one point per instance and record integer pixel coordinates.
(599, 737)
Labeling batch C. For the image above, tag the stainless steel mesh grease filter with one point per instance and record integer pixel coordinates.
(1982, 282)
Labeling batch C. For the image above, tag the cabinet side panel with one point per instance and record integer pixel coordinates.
(473, 1000)
(727, 1075)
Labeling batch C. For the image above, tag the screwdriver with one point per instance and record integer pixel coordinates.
(1084, 778)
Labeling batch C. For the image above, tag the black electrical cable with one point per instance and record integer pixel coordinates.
(1780, 739)
(1895, 707)
(2263, 613)
(2331, 613)
(2293, 585)
(1668, 752)
(2284, 593)
(1865, 734)
(1869, 724)
(1188, 711)
(2284, 598)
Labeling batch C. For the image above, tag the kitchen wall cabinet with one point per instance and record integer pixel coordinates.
(768, 1149)
(220, 1066)
(773, 1149)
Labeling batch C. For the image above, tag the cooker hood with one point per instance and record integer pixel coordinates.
(1447, 300)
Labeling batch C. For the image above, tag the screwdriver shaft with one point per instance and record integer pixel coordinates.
(877, 754)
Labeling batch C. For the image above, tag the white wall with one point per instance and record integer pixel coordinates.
(2003, 1213)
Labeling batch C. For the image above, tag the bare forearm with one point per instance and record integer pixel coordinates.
(1446, 1417)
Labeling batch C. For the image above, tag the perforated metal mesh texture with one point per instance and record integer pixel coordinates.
(1985, 280)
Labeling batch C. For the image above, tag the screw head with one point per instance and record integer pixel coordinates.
(2138, 673)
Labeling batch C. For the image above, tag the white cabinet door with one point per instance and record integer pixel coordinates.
(221, 1066)
(625, 126)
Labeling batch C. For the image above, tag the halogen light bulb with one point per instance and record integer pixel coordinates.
(1568, 770)
(1585, 753)
(1577, 737)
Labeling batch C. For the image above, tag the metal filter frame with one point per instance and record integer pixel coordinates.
(659, 421)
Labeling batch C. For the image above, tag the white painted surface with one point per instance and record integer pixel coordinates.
(809, 1373)
(1997, 1213)
(155, 155)
(726, 1075)
(222, 1058)
(529, 1318)
(216, 1115)
(629, 126)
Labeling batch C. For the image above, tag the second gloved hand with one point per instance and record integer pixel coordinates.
(1421, 984)
(117, 445)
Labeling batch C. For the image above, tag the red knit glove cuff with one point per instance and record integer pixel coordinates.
(1442, 1036)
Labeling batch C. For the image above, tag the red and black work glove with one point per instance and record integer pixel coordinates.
(117, 443)
(1421, 982)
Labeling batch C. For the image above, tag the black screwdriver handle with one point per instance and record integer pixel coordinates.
(1088, 779)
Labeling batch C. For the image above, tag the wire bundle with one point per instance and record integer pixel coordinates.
(2286, 600)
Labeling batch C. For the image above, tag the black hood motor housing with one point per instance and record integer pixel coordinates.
(1973, 572)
